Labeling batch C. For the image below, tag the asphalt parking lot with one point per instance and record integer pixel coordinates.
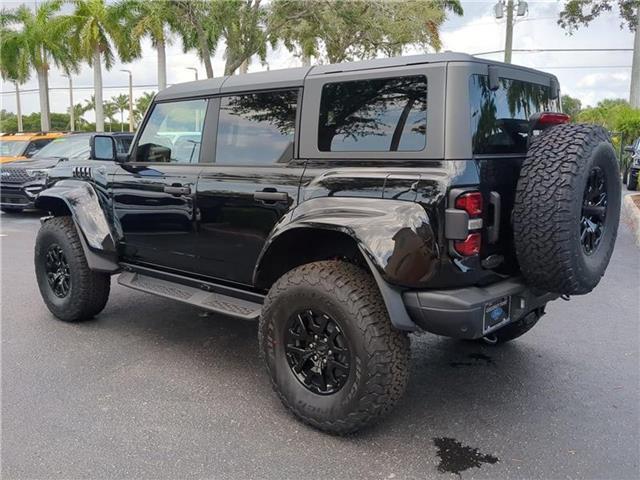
(153, 389)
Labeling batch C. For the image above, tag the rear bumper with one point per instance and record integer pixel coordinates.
(466, 312)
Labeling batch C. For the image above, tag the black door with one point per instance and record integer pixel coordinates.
(251, 182)
(154, 193)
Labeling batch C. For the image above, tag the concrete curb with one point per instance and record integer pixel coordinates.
(631, 215)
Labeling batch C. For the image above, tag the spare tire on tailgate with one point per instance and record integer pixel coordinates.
(567, 208)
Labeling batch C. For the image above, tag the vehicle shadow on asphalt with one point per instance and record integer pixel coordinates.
(451, 381)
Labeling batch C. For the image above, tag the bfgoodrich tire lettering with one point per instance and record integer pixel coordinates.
(88, 291)
(549, 208)
(379, 354)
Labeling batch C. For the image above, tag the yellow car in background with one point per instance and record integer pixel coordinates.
(21, 146)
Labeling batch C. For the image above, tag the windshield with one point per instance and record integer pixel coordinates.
(73, 146)
(12, 148)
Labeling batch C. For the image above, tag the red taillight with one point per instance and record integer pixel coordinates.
(548, 119)
(471, 203)
(469, 246)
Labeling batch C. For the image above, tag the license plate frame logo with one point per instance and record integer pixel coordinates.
(494, 318)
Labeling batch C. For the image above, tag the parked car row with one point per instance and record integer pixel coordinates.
(22, 180)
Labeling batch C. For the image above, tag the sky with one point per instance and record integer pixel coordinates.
(589, 76)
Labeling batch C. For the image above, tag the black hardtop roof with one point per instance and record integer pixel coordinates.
(294, 77)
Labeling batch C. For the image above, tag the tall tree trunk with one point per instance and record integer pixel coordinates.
(45, 123)
(122, 120)
(244, 67)
(306, 60)
(162, 65)
(205, 52)
(18, 107)
(232, 64)
(634, 97)
(97, 90)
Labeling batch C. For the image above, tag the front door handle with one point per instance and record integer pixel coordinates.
(271, 196)
(177, 189)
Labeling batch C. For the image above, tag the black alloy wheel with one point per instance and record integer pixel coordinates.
(594, 211)
(317, 351)
(57, 270)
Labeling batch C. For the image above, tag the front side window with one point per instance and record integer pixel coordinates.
(379, 115)
(257, 128)
(500, 118)
(173, 133)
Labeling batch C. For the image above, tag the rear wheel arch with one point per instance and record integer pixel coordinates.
(303, 245)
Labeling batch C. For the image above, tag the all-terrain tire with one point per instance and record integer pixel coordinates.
(513, 330)
(632, 183)
(548, 208)
(88, 291)
(380, 354)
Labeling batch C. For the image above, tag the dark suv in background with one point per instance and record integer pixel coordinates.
(634, 169)
(22, 182)
(344, 206)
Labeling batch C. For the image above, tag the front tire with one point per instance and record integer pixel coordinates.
(71, 291)
(332, 354)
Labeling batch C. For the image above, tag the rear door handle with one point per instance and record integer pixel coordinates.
(271, 196)
(177, 189)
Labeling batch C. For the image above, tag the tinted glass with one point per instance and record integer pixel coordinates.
(381, 115)
(499, 119)
(172, 133)
(72, 146)
(257, 128)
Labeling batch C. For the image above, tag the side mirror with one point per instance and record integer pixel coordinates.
(122, 157)
(103, 147)
(629, 149)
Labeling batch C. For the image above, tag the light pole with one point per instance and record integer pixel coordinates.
(72, 113)
(131, 120)
(500, 9)
(195, 70)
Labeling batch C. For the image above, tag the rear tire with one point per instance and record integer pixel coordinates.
(632, 183)
(567, 208)
(374, 357)
(71, 291)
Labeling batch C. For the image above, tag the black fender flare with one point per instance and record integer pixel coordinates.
(83, 204)
(395, 237)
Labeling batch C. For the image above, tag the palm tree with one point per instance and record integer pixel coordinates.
(154, 18)
(110, 111)
(14, 65)
(78, 111)
(98, 29)
(198, 29)
(33, 38)
(142, 104)
(121, 102)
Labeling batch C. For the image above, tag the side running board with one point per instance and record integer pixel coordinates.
(211, 301)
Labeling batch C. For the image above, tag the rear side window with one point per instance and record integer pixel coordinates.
(378, 115)
(257, 128)
(499, 118)
(173, 133)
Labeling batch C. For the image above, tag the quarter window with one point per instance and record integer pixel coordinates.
(500, 118)
(257, 128)
(173, 133)
(380, 115)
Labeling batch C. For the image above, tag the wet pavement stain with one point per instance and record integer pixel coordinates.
(455, 457)
(478, 360)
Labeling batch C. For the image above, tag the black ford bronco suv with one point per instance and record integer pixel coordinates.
(344, 206)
